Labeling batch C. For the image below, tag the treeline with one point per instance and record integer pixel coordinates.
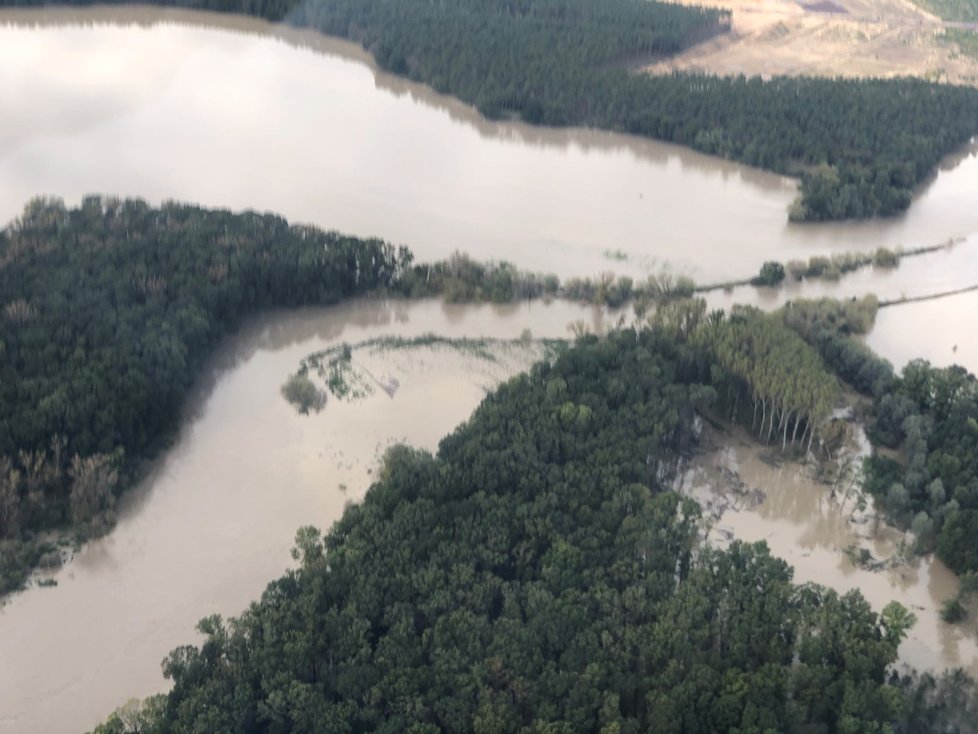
(107, 312)
(860, 147)
(537, 577)
(461, 279)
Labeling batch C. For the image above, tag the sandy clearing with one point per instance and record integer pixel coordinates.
(869, 38)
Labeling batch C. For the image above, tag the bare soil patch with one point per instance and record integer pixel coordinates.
(850, 38)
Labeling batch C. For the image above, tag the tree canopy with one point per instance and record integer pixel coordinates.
(537, 576)
(107, 312)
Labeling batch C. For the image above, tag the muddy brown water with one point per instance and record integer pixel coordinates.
(216, 519)
(236, 113)
(807, 525)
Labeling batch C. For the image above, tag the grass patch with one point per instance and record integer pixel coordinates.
(965, 40)
(960, 10)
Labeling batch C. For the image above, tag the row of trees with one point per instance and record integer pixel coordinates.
(859, 146)
(755, 354)
(107, 312)
(536, 577)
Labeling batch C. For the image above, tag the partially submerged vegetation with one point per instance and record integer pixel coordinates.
(927, 414)
(344, 380)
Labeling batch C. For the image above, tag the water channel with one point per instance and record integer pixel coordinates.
(235, 113)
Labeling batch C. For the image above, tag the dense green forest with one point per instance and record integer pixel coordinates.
(106, 314)
(537, 576)
(859, 146)
(931, 415)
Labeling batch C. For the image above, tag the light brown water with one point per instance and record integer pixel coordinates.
(216, 520)
(804, 524)
(237, 113)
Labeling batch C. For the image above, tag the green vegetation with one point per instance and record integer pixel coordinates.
(107, 312)
(300, 391)
(930, 415)
(966, 40)
(772, 274)
(860, 147)
(537, 577)
(955, 10)
(833, 328)
(462, 279)
(939, 705)
(756, 362)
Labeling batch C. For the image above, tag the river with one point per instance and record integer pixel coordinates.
(236, 113)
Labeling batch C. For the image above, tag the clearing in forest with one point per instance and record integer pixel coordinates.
(852, 38)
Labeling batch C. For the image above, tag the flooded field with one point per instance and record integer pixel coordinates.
(237, 113)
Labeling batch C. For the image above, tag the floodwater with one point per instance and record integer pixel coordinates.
(810, 524)
(215, 520)
(236, 113)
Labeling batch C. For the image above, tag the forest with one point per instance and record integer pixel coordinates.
(859, 147)
(537, 576)
(107, 312)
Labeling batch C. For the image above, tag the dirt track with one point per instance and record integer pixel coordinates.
(853, 38)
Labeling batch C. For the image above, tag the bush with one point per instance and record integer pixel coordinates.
(300, 391)
(884, 258)
(772, 273)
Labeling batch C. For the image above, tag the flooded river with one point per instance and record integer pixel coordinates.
(236, 113)
(216, 519)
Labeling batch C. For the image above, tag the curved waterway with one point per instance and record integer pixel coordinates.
(215, 520)
(236, 113)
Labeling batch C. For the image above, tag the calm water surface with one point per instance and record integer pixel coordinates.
(236, 113)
